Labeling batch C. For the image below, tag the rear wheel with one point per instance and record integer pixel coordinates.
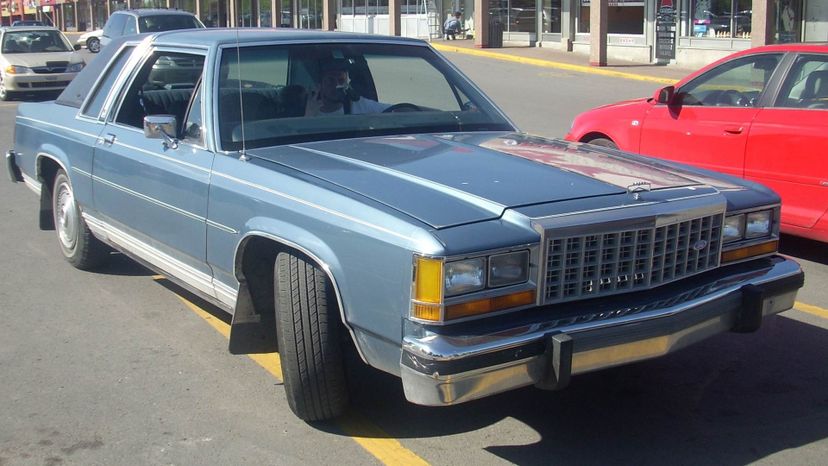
(310, 345)
(78, 244)
(93, 44)
(603, 142)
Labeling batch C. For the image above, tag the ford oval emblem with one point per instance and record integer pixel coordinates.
(699, 245)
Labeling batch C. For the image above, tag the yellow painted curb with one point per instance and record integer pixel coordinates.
(552, 64)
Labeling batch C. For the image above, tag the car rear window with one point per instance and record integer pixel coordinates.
(158, 23)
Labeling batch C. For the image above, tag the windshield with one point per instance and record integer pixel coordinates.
(279, 94)
(35, 42)
(157, 23)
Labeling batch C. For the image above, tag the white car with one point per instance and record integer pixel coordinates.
(91, 40)
(35, 59)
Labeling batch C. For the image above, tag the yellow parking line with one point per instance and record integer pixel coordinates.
(552, 64)
(810, 309)
(370, 437)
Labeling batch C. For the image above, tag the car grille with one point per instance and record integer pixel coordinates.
(612, 262)
(46, 84)
(51, 67)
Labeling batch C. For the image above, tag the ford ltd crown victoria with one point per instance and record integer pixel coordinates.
(349, 197)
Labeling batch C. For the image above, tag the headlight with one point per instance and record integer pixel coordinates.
(734, 228)
(17, 69)
(758, 224)
(508, 269)
(75, 67)
(436, 279)
(465, 276)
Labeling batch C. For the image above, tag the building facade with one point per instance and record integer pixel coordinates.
(686, 32)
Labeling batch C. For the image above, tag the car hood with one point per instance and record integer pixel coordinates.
(39, 59)
(449, 180)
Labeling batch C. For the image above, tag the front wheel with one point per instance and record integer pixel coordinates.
(93, 44)
(78, 244)
(603, 142)
(310, 345)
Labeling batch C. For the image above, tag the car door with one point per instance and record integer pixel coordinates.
(788, 145)
(152, 194)
(708, 121)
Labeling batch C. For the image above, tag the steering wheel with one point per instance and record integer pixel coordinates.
(732, 98)
(402, 107)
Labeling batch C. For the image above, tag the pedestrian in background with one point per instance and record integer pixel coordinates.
(453, 26)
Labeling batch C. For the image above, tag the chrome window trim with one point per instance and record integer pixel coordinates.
(80, 114)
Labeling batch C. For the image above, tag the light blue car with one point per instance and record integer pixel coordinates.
(345, 195)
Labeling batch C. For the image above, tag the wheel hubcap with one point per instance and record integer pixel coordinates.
(67, 221)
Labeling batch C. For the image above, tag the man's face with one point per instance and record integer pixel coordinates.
(330, 81)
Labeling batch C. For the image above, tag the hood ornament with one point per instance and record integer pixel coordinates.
(639, 187)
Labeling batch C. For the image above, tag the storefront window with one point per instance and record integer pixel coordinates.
(186, 5)
(149, 4)
(115, 5)
(720, 18)
(551, 15)
(213, 13)
(514, 15)
(623, 17)
(310, 14)
(788, 21)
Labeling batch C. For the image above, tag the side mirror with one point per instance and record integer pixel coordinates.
(77, 47)
(665, 95)
(162, 127)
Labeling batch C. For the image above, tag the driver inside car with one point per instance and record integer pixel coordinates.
(335, 96)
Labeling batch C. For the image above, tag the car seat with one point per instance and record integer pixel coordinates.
(815, 94)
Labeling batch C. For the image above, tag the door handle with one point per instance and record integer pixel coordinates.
(734, 129)
(107, 140)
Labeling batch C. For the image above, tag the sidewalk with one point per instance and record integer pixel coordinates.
(554, 58)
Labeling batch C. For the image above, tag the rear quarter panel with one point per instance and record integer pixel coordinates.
(45, 130)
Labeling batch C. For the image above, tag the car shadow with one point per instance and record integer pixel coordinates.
(734, 399)
(804, 248)
(120, 264)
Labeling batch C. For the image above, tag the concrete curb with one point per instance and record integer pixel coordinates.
(552, 64)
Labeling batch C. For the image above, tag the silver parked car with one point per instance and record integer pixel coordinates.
(35, 59)
(344, 194)
(143, 20)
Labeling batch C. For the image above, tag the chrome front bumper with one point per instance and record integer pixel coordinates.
(545, 346)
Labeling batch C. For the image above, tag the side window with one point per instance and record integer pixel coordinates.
(131, 26)
(738, 83)
(401, 79)
(193, 125)
(115, 26)
(806, 85)
(98, 96)
(163, 86)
